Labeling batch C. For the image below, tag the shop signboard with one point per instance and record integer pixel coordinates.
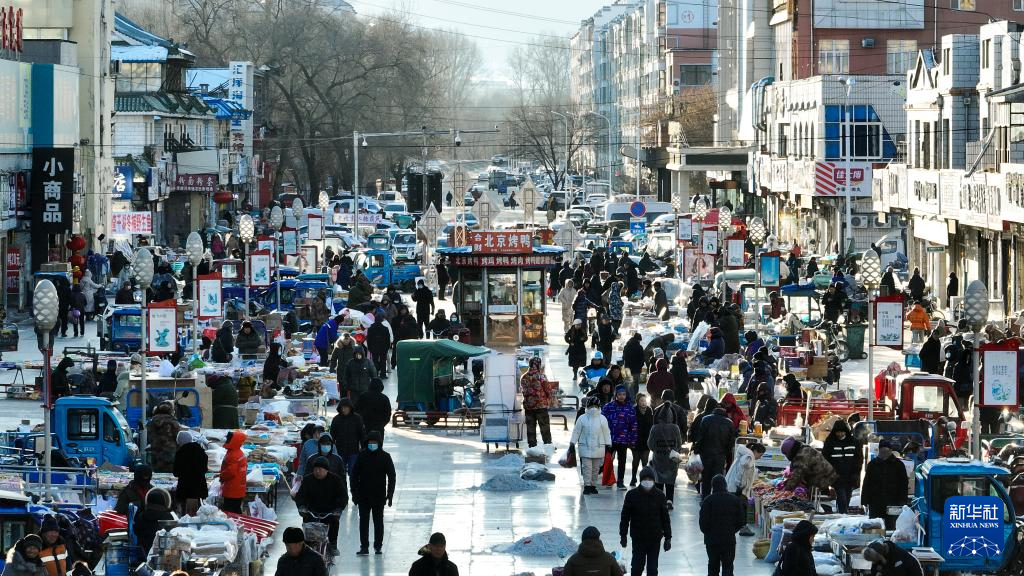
(769, 269)
(1012, 194)
(210, 296)
(735, 253)
(259, 269)
(123, 182)
(888, 319)
(13, 270)
(126, 223)
(162, 327)
(501, 242)
(923, 191)
(1001, 365)
(201, 183)
(502, 261)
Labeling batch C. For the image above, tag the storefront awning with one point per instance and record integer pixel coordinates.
(934, 231)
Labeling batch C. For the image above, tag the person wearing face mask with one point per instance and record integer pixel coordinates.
(885, 484)
(592, 437)
(621, 417)
(844, 453)
(645, 520)
(373, 486)
(721, 515)
(325, 449)
(348, 432)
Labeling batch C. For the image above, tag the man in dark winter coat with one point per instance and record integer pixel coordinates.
(348, 433)
(378, 342)
(373, 486)
(931, 354)
(888, 559)
(730, 327)
(434, 559)
(190, 466)
(721, 515)
(633, 359)
(299, 558)
(404, 327)
(844, 453)
(716, 440)
(424, 299)
(659, 381)
(358, 374)
(644, 518)
(885, 483)
(591, 558)
(323, 493)
(797, 559)
(375, 407)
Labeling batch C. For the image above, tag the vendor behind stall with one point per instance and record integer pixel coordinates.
(135, 491)
(147, 520)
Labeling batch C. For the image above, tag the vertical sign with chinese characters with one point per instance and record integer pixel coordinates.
(123, 182)
(162, 327)
(210, 297)
(53, 187)
(889, 321)
(1000, 363)
(240, 91)
(13, 269)
(501, 242)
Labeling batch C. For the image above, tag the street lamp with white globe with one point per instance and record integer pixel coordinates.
(276, 221)
(976, 314)
(194, 249)
(142, 271)
(45, 310)
(870, 275)
(756, 231)
(324, 204)
(246, 233)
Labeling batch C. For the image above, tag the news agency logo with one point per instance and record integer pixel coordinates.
(973, 527)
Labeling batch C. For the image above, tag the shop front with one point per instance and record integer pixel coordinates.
(501, 297)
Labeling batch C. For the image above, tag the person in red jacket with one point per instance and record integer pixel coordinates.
(659, 381)
(732, 410)
(232, 473)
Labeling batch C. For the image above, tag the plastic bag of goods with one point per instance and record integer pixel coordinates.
(906, 526)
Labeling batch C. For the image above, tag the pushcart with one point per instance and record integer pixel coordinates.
(500, 425)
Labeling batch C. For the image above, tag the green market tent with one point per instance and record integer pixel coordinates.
(420, 361)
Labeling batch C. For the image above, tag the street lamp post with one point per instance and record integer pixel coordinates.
(700, 212)
(757, 232)
(142, 270)
(724, 225)
(324, 202)
(565, 172)
(276, 221)
(247, 233)
(609, 141)
(870, 274)
(45, 310)
(976, 313)
(849, 82)
(194, 249)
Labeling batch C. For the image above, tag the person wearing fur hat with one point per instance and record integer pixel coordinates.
(348, 432)
(591, 558)
(622, 423)
(298, 558)
(23, 558)
(190, 467)
(163, 431)
(147, 521)
(55, 555)
(537, 398)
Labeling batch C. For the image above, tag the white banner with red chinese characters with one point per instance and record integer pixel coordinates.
(131, 223)
(501, 242)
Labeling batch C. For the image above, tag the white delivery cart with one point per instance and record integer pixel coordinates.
(502, 419)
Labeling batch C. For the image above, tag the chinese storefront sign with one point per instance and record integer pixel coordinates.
(259, 268)
(888, 320)
(123, 182)
(203, 183)
(501, 242)
(162, 327)
(53, 190)
(13, 269)
(502, 261)
(210, 303)
(1001, 363)
(240, 91)
(131, 223)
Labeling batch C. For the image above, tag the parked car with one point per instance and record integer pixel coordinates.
(469, 199)
(393, 207)
(404, 246)
(390, 196)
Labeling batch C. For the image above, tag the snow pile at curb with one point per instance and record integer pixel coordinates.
(507, 461)
(554, 542)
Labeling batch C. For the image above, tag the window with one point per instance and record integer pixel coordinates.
(1018, 5)
(869, 141)
(900, 55)
(1016, 122)
(83, 424)
(833, 56)
(947, 60)
(783, 139)
(986, 47)
(111, 431)
(964, 5)
(139, 77)
(694, 74)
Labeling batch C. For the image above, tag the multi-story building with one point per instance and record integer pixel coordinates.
(960, 189)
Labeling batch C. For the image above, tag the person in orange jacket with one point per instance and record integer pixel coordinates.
(920, 322)
(232, 473)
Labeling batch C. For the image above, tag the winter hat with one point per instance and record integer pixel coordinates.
(184, 437)
(577, 322)
(647, 472)
(593, 401)
(373, 435)
(620, 389)
(437, 539)
(293, 535)
(143, 473)
(787, 445)
(344, 402)
(32, 540)
(321, 462)
(591, 533)
(49, 525)
(668, 395)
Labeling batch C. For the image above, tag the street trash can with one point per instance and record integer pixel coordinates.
(855, 340)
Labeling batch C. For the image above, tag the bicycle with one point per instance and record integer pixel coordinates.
(317, 533)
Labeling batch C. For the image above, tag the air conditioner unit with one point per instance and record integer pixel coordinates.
(884, 221)
(859, 221)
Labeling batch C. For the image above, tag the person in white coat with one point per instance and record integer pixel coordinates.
(592, 438)
(565, 298)
(740, 477)
(89, 288)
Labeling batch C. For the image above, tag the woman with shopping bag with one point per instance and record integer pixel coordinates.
(592, 440)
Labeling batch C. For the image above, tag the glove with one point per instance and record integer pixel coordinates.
(667, 545)
(622, 541)
(390, 498)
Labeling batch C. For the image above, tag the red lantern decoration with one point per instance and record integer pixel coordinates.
(77, 261)
(223, 197)
(76, 243)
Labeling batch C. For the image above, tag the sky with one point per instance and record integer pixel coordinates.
(496, 25)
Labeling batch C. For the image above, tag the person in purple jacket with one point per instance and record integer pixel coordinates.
(621, 418)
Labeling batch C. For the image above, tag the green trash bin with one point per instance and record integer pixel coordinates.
(855, 340)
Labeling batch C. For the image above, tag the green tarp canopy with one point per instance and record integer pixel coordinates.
(416, 366)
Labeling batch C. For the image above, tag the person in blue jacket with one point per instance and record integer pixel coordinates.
(716, 346)
(325, 338)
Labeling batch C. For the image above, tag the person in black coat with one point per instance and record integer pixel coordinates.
(885, 483)
(681, 376)
(604, 336)
(660, 301)
(633, 359)
(348, 432)
(931, 354)
(299, 558)
(273, 365)
(190, 467)
(721, 515)
(59, 379)
(715, 444)
(404, 327)
(375, 408)
(147, 520)
(952, 288)
(644, 423)
(797, 559)
(378, 342)
(916, 285)
(888, 559)
(323, 493)
(645, 520)
(845, 454)
(888, 283)
(434, 559)
(424, 299)
(373, 486)
(442, 278)
(576, 338)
